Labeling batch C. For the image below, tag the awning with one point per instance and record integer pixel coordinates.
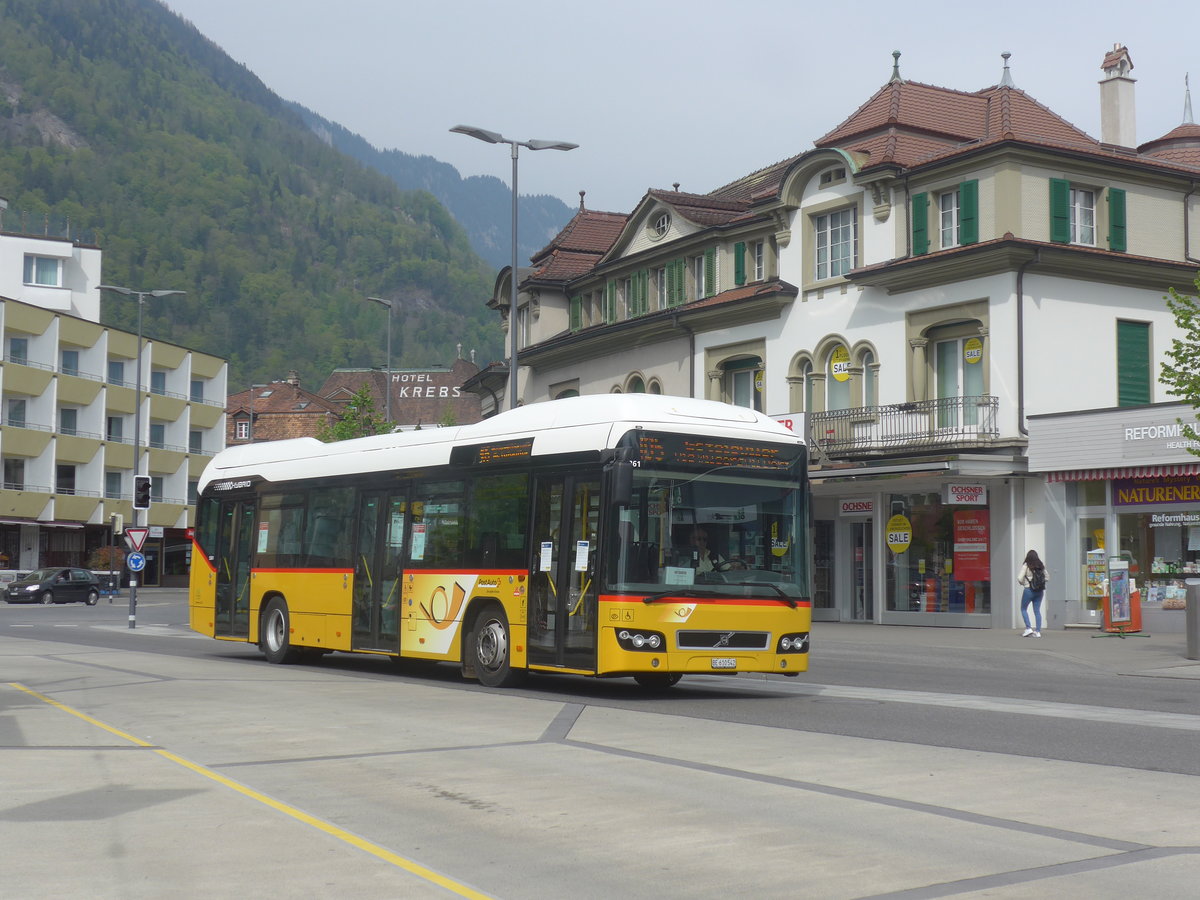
(42, 524)
(1124, 472)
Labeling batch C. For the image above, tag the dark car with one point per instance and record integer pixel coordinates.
(57, 585)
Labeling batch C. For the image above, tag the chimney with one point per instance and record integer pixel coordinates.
(293, 378)
(1117, 121)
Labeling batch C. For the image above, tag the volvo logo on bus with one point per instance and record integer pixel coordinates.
(723, 640)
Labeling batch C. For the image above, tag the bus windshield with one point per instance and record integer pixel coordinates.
(718, 533)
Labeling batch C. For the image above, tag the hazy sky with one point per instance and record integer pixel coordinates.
(663, 91)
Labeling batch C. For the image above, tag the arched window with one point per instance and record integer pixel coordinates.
(636, 385)
(870, 386)
(837, 380)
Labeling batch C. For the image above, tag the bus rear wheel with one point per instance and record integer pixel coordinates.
(490, 647)
(275, 634)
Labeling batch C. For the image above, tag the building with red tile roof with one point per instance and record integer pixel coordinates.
(918, 291)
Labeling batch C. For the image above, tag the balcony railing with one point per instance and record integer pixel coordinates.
(945, 422)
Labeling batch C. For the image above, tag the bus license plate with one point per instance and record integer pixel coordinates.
(724, 662)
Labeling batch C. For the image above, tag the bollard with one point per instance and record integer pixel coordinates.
(1193, 618)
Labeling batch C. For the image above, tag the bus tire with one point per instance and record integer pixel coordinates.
(657, 681)
(275, 634)
(489, 644)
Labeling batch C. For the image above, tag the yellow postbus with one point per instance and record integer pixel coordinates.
(615, 535)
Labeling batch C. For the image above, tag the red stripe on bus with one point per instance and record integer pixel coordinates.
(735, 601)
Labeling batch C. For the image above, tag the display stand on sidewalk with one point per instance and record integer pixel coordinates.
(1122, 606)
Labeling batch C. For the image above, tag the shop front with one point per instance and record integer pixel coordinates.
(916, 548)
(1129, 493)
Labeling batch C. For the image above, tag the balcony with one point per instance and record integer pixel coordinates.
(945, 423)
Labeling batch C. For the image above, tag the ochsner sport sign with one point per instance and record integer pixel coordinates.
(964, 494)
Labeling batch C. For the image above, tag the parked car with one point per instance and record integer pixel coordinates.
(56, 585)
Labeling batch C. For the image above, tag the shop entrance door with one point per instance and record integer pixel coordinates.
(862, 582)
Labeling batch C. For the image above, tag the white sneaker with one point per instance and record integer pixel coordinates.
(1027, 632)
(1037, 634)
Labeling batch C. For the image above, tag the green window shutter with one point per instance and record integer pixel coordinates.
(1060, 212)
(739, 263)
(576, 314)
(710, 271)
(968, 212)
(610, 302)
(1116, 219)
(920, 223)
(676, 272)
(1133, 363)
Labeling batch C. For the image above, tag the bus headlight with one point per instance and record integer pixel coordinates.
(793, 643)
(646, 641)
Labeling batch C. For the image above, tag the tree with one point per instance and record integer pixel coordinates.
(360, 419)
(1182, 374)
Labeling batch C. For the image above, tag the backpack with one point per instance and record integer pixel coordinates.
(1037, 579)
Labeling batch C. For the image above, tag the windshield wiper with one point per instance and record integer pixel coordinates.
(684, 591)
(761, 584)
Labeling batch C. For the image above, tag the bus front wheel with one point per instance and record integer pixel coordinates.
(276, 634)
(490, 646)
(657, 681)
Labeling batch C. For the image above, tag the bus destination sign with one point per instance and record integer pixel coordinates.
(508, 451)
(711, 453)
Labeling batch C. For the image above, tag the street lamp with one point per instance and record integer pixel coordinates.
(137, 418)
(492, 137)
(390, 304)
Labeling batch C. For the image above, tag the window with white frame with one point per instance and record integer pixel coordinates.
(870, 391)
(68, 420)
(760, 265)
(836, 242)
(1083, 216)
(660, 287)
(69, 362)
(743, 383)
(14, 474)
(948, 206)
(698, 276)
(241, 430)
(18, 350)
(43, 271)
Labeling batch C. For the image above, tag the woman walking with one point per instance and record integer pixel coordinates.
(1033, 578)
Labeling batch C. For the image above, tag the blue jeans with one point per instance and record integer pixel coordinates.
(1035, 598)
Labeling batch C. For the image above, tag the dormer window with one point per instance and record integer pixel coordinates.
(833, 176)
(660, 226)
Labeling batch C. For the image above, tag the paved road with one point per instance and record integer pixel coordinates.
(131, 769)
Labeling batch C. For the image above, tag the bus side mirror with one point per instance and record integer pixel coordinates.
(620, 478)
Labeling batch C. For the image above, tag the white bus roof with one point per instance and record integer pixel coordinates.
(574, 424)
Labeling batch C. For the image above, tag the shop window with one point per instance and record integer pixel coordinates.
(939, 556)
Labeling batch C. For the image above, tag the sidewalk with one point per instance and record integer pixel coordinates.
(1156, 655)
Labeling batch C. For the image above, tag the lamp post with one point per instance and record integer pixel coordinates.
(390, 304)
(492, 137)
(140, 296)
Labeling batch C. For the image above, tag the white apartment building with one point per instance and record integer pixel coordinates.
(67, 409)
(943, 266)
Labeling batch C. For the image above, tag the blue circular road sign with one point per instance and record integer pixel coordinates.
(136, 562)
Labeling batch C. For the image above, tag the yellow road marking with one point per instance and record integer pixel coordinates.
(332, 830)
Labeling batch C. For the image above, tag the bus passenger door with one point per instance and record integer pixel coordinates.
(234, 547)
(563, 589)
(377, 568)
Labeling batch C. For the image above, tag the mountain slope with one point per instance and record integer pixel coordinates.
(192, 175)
(481, 204)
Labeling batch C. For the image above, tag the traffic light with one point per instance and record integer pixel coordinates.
(141, 491)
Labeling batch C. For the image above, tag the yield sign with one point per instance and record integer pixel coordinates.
(136, 537)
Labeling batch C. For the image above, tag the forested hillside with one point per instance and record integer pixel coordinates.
(480, 203)
(191, 175)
